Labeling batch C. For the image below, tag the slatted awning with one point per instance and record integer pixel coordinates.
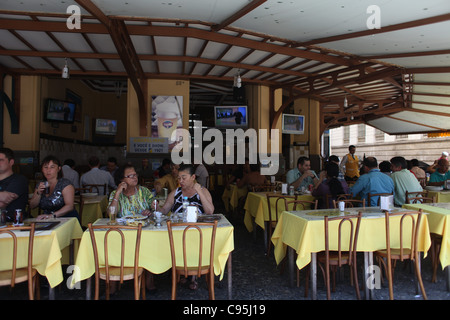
(395, 78)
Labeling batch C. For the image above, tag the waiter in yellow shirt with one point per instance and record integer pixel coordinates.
(350, 165)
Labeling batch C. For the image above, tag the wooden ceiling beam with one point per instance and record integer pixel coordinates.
(239, 14)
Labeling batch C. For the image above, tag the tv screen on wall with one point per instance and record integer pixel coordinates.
(105, 126)
(59, 111)
(231, 116)
(293, 124)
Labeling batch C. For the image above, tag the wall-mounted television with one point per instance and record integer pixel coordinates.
(231, 116)
(293, 124)
(59, 111)
(105, 126)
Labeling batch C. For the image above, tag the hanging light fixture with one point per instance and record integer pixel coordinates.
(65, 71)
(237, 80)
(345, 102)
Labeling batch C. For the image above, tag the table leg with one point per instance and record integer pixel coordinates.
(266, 243)
(291, 263)
(313, 275)
(230, 277)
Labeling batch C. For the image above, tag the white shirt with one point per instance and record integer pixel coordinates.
(72, 175)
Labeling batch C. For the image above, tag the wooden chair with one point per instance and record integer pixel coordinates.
(345, 254)
(181, 268)
(371, 195)
(418, 197)
(303, 203)
(263, 188)
(329, 198)
(273, 219)
(402, 253)
(117, 273)
(97, 188)
(28, 273)
(351, 203)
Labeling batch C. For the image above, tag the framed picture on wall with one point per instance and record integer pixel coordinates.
(75, 98)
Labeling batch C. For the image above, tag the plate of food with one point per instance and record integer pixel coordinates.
(136, 217)
(135, 223)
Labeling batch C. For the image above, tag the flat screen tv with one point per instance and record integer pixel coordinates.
(231, 116)
(105, 126)
(59, 111)
(293, 124)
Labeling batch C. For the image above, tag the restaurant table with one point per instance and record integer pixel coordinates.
(441, 196)
(155, 253)
(303, 232)
(48, 255)
(439, 222)
(93, 209)
(232, 195)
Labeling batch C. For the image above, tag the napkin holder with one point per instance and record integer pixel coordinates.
(284, 188)
(386, 202)
(192, 212)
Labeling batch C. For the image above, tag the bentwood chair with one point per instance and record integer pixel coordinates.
(350, 203)
(19, 275)
(118, 272)
(192, 249)
(303, 204)
(100, 188)
(418, 197)
(329, 199)
(345, 253)
(372, 195)
(274, 199)
(404, 251)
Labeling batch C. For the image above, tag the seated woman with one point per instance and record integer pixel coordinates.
(58, 200)
(196, 194)
(129, 197)
(329, 185)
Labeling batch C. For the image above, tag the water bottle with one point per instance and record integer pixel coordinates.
(185, 205)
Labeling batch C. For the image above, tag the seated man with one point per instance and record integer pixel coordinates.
(373, 181)
(169, 181)
(441, 174)
(13, 186)
(97, 176)
(302, 176)
(404, 180)
(252, 178)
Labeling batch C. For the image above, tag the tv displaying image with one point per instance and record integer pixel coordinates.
(293, 124)
(59, 111)
(231, 116)
(105, 126)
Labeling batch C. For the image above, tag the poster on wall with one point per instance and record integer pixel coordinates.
(167, 117)
(148, 145)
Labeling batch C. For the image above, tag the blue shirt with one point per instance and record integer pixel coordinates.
(294, 174)
(439, 177)
(372, 182)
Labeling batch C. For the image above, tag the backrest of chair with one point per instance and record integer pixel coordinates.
(373, 195)
(350, 203)
(109, 229)
(303, 204)
(263, 188)
(97, 187)
(352, 235)
(329, 198)
(415, 224)
(194, 226)
(10, 231)
(82, 190)
(276, 198)
(418, 197)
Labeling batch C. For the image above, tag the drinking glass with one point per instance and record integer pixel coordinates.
(112, 215)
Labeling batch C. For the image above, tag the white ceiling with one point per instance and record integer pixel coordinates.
(277, 43)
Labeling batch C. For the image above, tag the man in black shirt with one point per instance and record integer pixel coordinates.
(13, 186)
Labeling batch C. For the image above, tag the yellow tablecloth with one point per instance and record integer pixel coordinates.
(441, 196)
(93, 209)
(47, 252)
(155, 249)
(305, 233)
(231, 197)
(439, 222)
(256, 208)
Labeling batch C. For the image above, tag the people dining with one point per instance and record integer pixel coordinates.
(350, 165)
(404, 180)
(252, 178)
(130, 198)
(329, 184)
(302, 176)
(373, 181)
(97, 176)
(438, 177)
(197, 195)
(13, 186)
(70, 173)
(169, 181)
(55, 195)
(418, 171)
